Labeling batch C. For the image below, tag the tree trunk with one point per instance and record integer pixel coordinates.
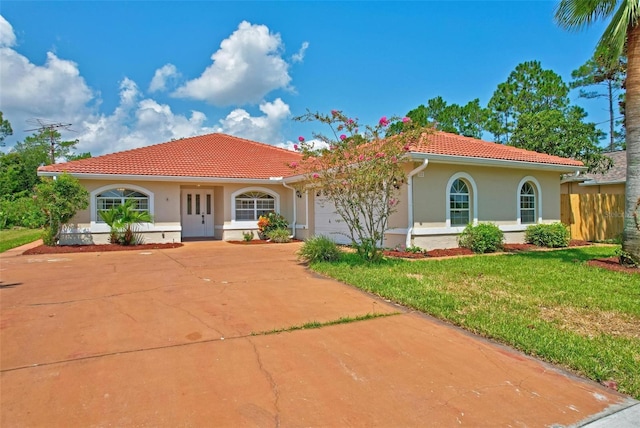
(631, 234)
(612, 122)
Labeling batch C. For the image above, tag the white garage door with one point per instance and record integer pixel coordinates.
(328, 223)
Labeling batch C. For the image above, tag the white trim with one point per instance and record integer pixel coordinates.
(276, 197)
(426, 231)
(473, 213)
(602, 183)
(144, 227)
(538, 198)
(93, 215)
(397, 231)
(465, 160)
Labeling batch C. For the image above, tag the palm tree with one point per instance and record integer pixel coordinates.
(623, 32)
(123, 220)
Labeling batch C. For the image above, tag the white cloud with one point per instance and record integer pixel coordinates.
(57, 92)
(54, 91)
(247, 67)
(167, 72)
(7, 36)
(299, 56)
(137, 122)
(265, 128)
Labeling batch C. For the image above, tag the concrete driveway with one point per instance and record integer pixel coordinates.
(185, 337)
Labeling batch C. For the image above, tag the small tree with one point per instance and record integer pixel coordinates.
(359, 171)
(60, 199)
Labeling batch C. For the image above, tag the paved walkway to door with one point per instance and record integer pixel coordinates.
(186, 337)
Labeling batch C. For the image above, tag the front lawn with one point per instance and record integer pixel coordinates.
(547, 304)
(15, 237)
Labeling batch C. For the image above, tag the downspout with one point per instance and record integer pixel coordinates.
(410, 199)
(295, 211)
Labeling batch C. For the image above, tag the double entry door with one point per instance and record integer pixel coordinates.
(197, 213)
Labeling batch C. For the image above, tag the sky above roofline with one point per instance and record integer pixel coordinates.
(130, 74)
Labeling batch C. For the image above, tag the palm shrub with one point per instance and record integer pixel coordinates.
(123, 221)
(554, 235)
(319, 248)
(482, 238)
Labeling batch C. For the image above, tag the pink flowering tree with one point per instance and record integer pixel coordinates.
(360, 171)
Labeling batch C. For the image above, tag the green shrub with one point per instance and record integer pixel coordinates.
(271, 221)
(547, 235)
(247, 236)
(49, 236)
(319, 248)
(279, 235)
(482, 238)
(23, 212)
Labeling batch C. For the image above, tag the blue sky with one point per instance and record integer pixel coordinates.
(246, 68)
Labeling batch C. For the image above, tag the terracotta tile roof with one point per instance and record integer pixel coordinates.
(211, 155)
(444, 143)
(224, 156)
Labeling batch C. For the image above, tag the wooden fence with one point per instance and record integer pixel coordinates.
(596, 217)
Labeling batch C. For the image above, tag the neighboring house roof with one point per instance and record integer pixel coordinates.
(616, 174)
(224, 156)
(444, 143)
(211, 155)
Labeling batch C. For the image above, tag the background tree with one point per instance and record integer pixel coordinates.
(562, 134)
(5, 129)
(469, 120)
(360, 173)
(609, 81)
(528, 89)
(60, 199)
(622, 32)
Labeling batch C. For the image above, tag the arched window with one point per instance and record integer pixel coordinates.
(459, 203)
(251, 205)
(112, 198)
(527, 203)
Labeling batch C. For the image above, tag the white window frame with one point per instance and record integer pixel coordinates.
(473, 198)
(100, 226)
(537, 190)
(251, 223)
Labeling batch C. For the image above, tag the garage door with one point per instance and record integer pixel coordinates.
(328, 223)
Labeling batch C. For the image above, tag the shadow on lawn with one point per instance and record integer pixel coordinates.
(571, 255)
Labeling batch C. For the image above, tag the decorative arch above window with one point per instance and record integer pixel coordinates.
(529, 201)
(111, 196)
(462, 200)
(249, 204)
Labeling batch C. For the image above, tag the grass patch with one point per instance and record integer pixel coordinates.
(13, 238)
(549, 304)
(317, 324)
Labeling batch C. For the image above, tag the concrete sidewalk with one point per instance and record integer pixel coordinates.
(189, 337)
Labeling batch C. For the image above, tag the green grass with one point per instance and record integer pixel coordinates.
(318, 324)
(550, 304)
(15, 237)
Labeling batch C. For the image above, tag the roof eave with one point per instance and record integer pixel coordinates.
(602, 183)
(173, 178)
(502, 163)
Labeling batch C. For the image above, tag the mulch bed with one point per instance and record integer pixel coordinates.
(64, 249)
(612, 263)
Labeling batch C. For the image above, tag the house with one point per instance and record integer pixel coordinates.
(217, 186)
(611, 182)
